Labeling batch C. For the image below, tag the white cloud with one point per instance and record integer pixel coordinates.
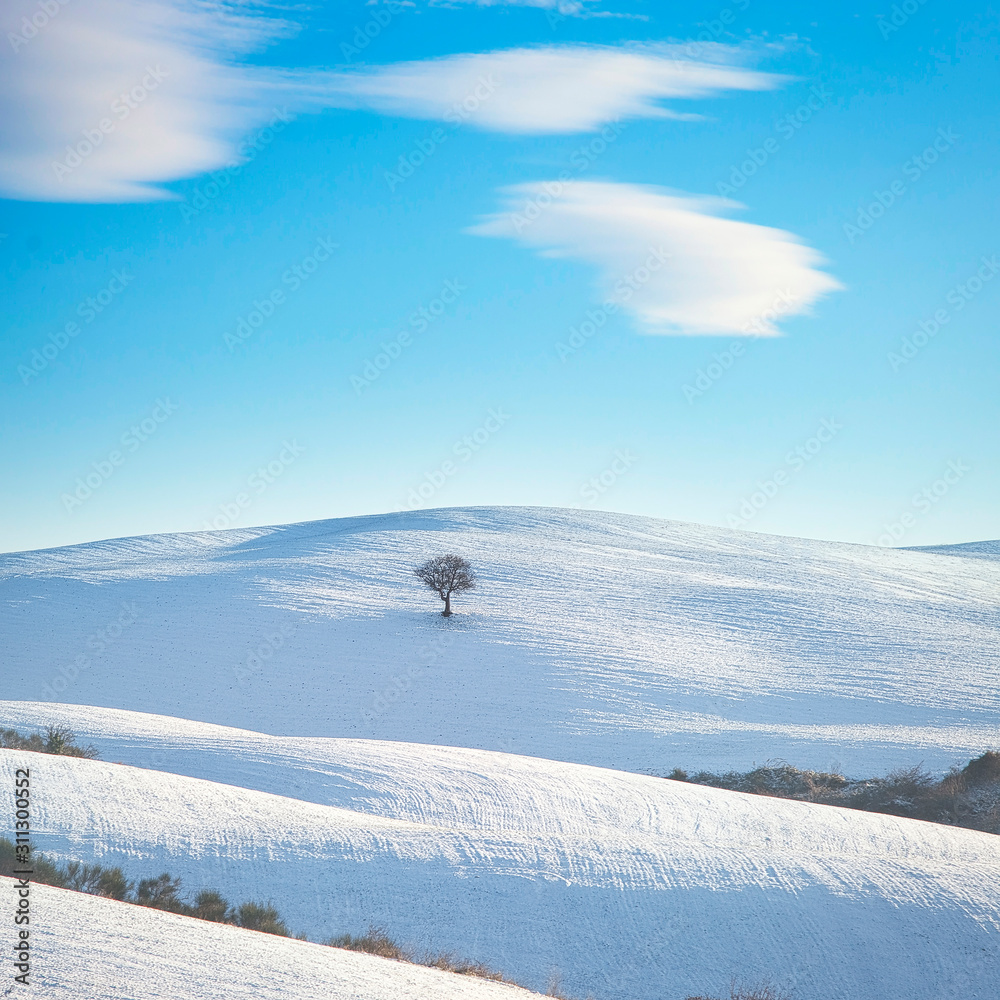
(670, 259)
(552, 89)
(559, 9)
(70, 134)
(186, 96)
(563, 6)
(570, 8)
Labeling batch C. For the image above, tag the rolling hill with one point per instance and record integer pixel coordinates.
(598, 638)
(627, 887)
(104, 950)
(283, 714)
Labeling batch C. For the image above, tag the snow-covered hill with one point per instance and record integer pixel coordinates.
(630, 887)
(598, 638)
(978, 550)
(100, 949)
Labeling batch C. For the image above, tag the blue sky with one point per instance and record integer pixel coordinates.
(730, 264)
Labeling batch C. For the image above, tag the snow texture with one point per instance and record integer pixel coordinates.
(99, 949)
(599, 638)
(404, 784)
(629, 887)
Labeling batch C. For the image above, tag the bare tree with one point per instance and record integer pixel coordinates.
(446, 575)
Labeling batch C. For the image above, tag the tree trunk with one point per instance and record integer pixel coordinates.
(447, 605)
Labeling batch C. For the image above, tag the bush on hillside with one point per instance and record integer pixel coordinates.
(983, 770)
(378, 942)
(375, 942)
(778, 779)
(210, 905)
(462, 967)
(969, 797)
(94, 880)
(259, 917)
(43, 870)
(56, 739)
(162, 892)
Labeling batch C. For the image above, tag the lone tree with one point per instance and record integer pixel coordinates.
(447, 575)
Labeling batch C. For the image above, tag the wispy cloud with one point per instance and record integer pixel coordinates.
(107, 100)
(109, 97)
(709, 275)
(568, 8)
(551, 89)
(563, 6)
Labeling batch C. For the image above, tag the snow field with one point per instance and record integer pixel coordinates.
(105, 950)
(450, 779)
(627, 886)
(600, 638)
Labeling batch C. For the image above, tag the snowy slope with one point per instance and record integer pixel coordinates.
(599, 638)
(104, 950)
(971, 550)
(632, 887)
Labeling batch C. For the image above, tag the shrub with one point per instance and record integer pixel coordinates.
(462, 967)
(44, 871)
(209, 905)
(984, 770)
(375, 942)
(260, 917)
(161, 893)
(95, 880)
(969, 797)
(378, 942)
(62, 740)
(774, 778)
(56, 740)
